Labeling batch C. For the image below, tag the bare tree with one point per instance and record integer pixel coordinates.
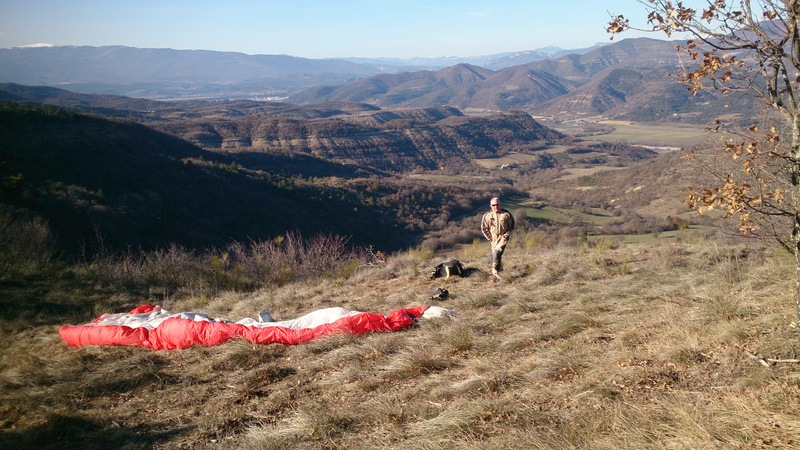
(752, 47)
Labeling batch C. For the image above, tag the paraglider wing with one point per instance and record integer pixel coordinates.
(152, 327)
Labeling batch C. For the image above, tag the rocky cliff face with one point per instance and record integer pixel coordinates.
(387, 140)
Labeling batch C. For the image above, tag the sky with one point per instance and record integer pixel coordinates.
(317, 28)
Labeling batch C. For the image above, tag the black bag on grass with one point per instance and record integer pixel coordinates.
(448, 269)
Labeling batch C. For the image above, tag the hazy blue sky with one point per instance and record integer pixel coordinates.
(316, 28)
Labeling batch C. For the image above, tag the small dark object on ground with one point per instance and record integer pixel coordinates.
(441, 294)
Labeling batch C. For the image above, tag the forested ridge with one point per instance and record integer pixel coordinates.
(94, 179)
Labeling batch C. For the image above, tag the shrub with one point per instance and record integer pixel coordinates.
(26, 244)
(237, 267)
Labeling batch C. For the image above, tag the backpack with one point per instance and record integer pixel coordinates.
(446, 269)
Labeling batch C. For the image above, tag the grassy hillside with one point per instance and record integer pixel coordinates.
(679, 343)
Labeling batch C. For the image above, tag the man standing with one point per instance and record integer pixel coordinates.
(496, 226)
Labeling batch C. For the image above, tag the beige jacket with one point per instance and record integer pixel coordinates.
(497, 226)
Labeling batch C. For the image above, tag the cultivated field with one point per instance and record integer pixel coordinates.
(597, 216)
(665, 137)
(511, 158)
(578, 172)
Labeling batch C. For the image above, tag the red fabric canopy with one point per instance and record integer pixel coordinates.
(152, 327)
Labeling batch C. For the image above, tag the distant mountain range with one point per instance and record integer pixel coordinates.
(494, 62)
(179, 74)
(627, 79)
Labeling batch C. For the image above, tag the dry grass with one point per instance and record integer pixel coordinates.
(606, 347)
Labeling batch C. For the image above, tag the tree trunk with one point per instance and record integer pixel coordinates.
(793, 13)
(796, 242)
(795, 198)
